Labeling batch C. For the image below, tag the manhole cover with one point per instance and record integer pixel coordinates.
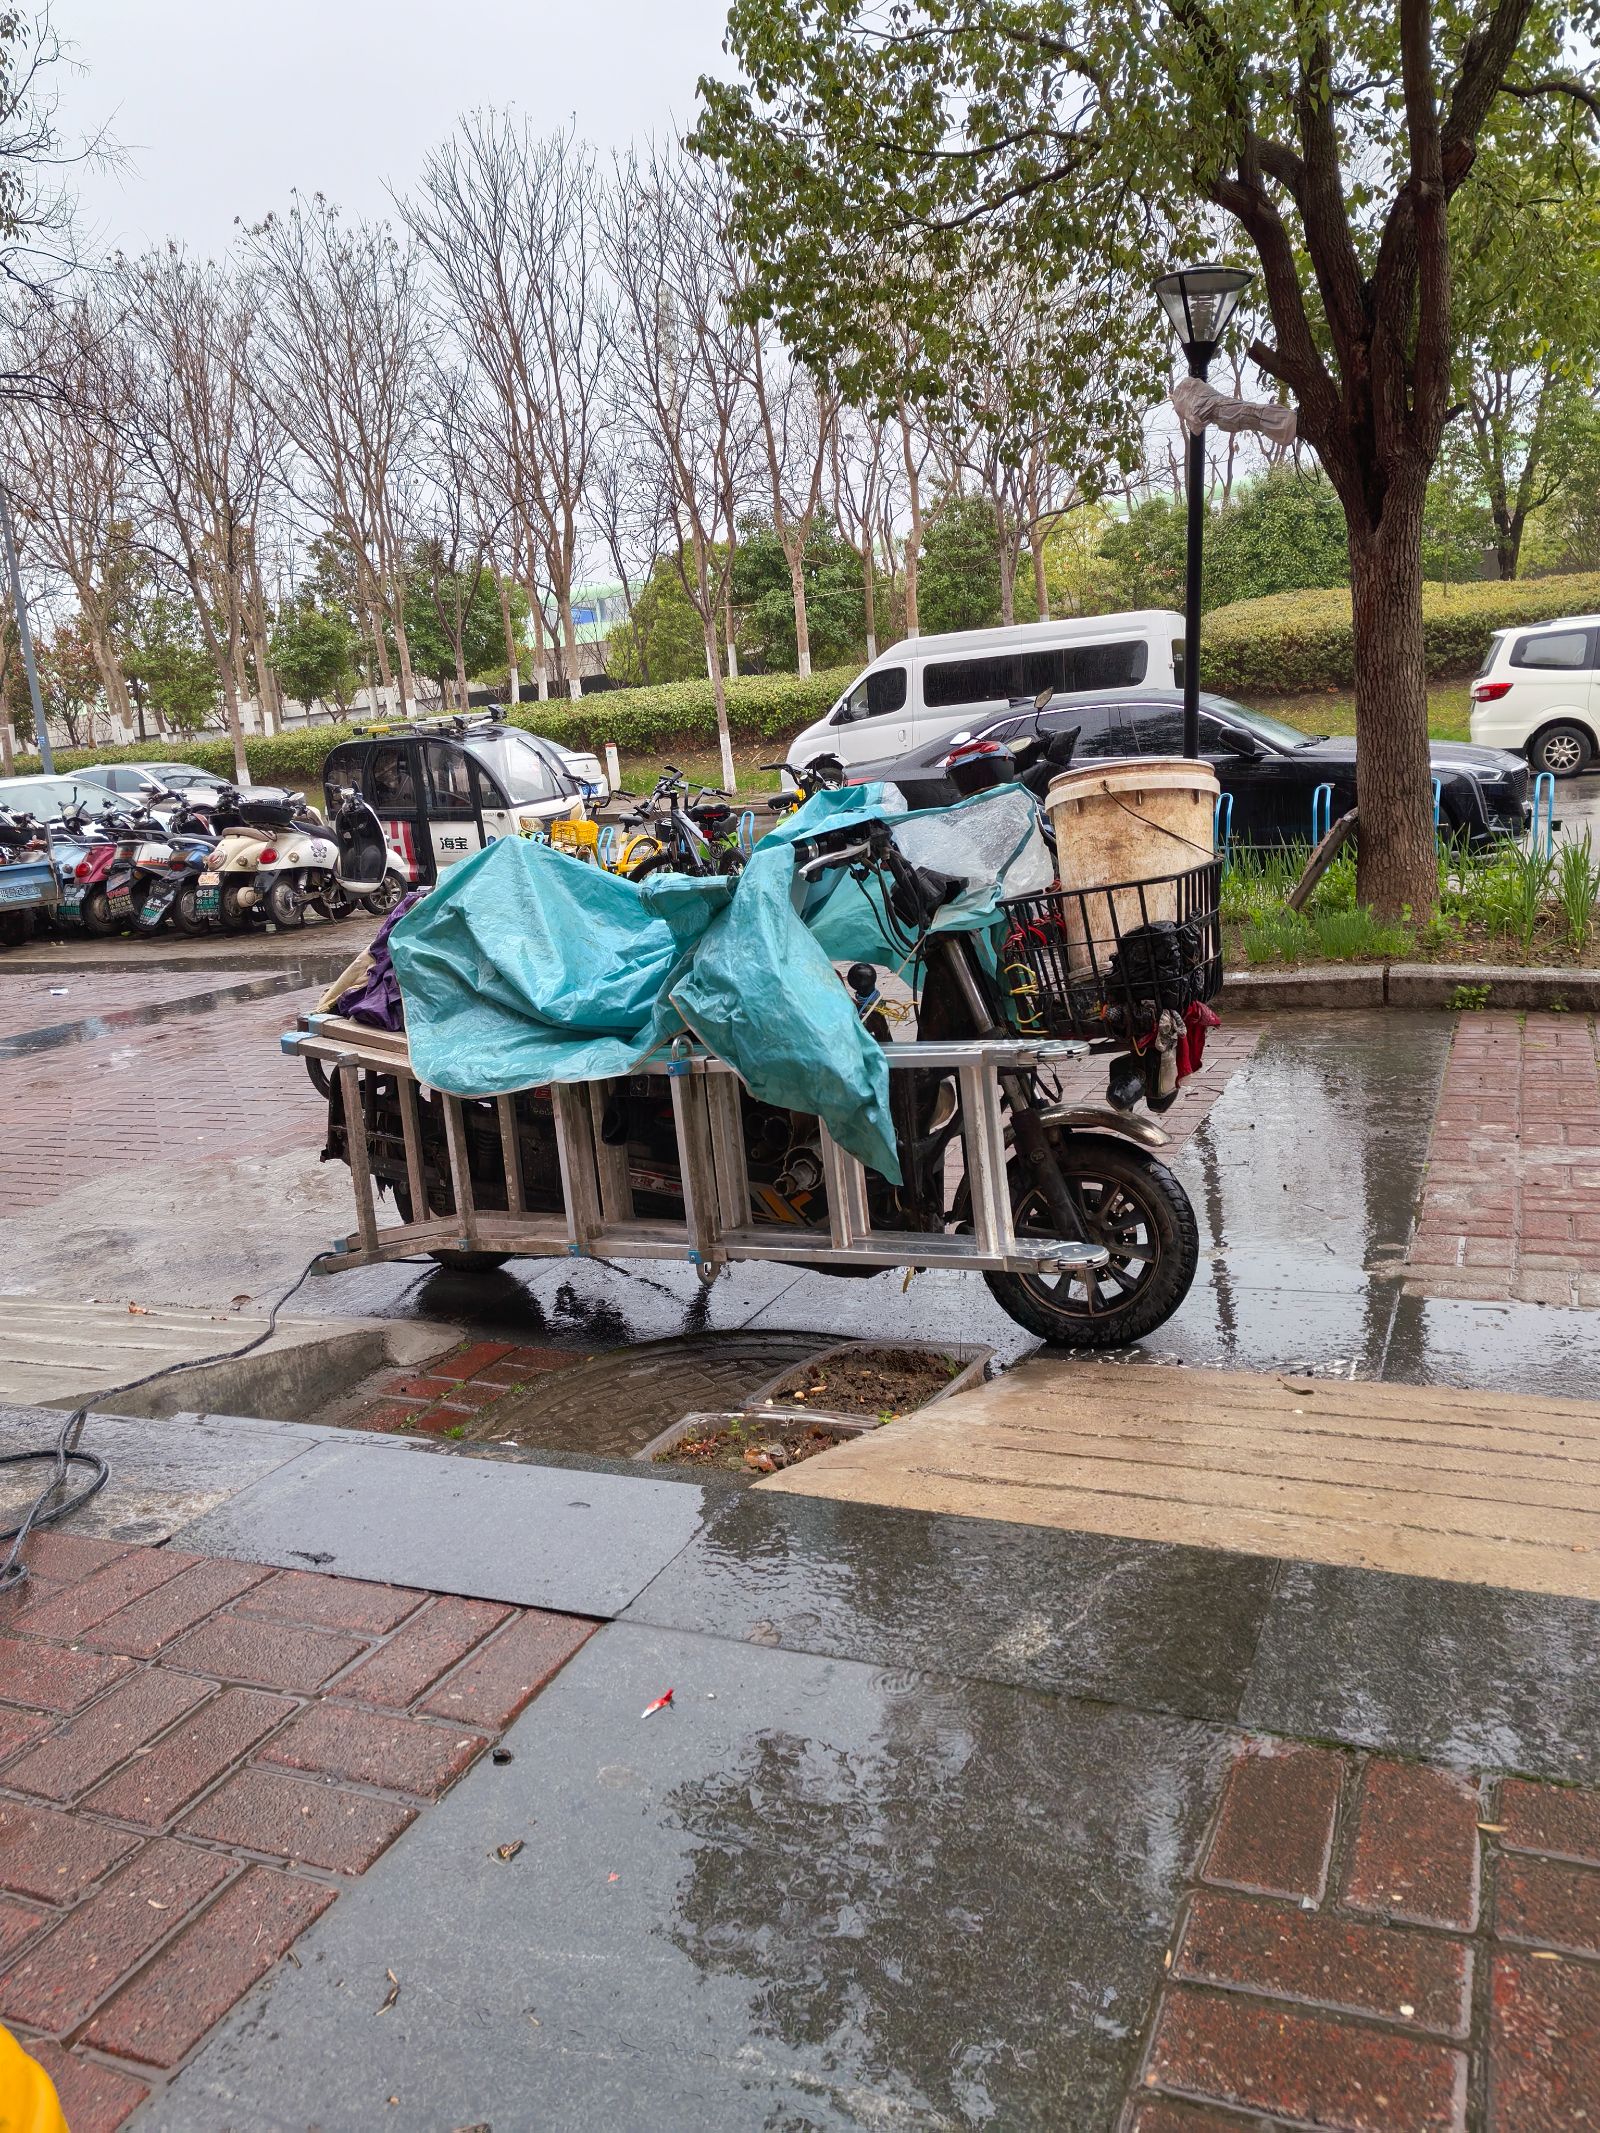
(611, 1407)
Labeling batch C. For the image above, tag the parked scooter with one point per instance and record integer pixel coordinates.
(370, 872)
(274, 858)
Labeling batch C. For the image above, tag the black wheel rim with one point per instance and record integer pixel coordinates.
(1120, 1219)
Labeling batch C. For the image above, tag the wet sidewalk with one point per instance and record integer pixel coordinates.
(948, 1823)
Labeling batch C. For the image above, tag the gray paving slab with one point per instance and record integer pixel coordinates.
(535, 1536)
(1155, 1627)
(163, 1474)
(813, 1895)
(1471, 1675)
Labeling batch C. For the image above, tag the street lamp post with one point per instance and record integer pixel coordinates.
(1199, 301)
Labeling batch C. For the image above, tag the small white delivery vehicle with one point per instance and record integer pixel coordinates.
(928, 688)
(1538, 691)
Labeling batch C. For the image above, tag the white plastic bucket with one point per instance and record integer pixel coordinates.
(1128, 821)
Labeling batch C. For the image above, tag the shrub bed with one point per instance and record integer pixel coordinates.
(760, 707)
(1305, 640)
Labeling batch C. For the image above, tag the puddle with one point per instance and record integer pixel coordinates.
(27, 1042)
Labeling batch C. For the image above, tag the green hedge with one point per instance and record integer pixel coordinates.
(1304, 640)
(639, 721)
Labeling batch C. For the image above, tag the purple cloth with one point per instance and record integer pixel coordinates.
(376, 1000)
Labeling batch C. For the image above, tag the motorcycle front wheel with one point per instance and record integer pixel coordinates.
(1137, 1209)
(381, 901)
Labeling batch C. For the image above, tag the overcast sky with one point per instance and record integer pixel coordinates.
(223, 106)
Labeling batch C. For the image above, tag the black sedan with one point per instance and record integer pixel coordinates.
(1271, 770)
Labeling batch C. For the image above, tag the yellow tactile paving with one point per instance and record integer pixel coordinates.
(1431, 1481)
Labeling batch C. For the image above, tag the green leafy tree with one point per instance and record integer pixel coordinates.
(1282, 533)
(665, 639)
(169, 671)
(763, 598)
(314, 650)
(1145, 552)
(958, 578)
(1048, 137)
(452, 619)
(1565, 534)
(1527, 289)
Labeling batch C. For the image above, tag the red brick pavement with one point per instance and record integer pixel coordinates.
(1382, 1947)
(203, 1087)
(1511, 1204)
(180, 1803)
(455, 1395)
(43, 999)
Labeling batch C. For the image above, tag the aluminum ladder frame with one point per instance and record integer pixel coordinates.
(598, 1220)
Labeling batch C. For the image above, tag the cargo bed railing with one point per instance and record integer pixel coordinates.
(598, 1220)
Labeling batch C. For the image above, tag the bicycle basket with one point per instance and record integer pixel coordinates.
(1103, 963)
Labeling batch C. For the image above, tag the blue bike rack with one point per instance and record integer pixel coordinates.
(1321, 814)
(1222, 823)
(1544, 811)
(605, 844)
(1438, 804)
(747, 831)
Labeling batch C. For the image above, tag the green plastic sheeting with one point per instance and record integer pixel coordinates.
(527, 966)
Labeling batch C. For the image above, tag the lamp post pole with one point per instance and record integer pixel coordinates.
(1193, 560)
(1198, 302)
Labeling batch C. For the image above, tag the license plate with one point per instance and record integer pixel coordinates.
(119, 902)
(206, 896)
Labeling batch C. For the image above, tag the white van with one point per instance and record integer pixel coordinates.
(927, 687)
(1538, 691)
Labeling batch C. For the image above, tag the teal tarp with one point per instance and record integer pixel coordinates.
(526, 966)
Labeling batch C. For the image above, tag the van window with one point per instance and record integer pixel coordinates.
(1555, 648)
(875, 695)
(1066, 668)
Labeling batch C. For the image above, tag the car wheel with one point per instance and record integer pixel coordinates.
(1564, 750)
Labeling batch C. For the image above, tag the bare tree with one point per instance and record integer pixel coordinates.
(861, 479)
(797, 417)
(343, 334)
(204, 445)
(66, 462)
(508, 221)
(687, 357)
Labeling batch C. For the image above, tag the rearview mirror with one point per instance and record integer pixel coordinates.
(1239, 741)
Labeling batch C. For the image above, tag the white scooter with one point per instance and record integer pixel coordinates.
(277, 858)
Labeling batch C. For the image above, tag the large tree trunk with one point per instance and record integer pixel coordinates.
(869, 595)
(541, 657)
(1396, 867)
(1008, 575)
(1041, 589)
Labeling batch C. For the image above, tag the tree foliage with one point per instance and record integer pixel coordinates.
(879, 152)
(763, 601)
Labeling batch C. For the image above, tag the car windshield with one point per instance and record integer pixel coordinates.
(516, 764)
(1272, 730)
(46, 797)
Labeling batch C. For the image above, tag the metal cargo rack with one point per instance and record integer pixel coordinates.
(598, 1219)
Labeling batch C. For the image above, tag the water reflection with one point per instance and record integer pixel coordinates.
(957, 1917)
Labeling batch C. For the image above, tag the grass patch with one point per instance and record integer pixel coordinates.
(1334, 710)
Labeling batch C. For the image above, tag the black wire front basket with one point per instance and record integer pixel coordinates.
(1104, 963)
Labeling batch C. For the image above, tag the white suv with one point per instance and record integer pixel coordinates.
(1538, 690)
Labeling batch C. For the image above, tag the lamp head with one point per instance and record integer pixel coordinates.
(1199, 302)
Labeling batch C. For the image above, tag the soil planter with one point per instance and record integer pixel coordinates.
(860, 1375)
(779, 1425)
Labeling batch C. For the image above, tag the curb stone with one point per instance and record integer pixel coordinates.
(1413, 985)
